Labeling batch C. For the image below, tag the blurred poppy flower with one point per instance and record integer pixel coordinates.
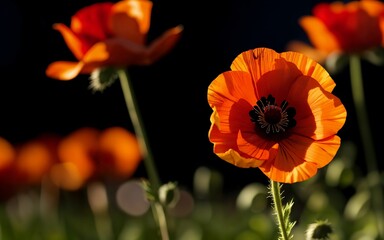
(76, 159)
(8, 187)
(87, 154)
(111, 35)
(119, 153)
(7, 153)
(35, 157)
(342, 28)
(275, 112)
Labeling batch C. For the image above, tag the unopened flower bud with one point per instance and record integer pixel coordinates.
(101, 78)
(319, 230)
(169, 194)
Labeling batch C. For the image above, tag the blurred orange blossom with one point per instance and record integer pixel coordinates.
(111, 35)
(275, 111)
(76, 158)
(91, 154)
(35, 157)
(338, 27)
(119, 153)
(7, 159)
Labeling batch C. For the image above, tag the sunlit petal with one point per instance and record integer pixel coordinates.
(63, 70)
(311, 68)
(76, 46)
(131, 20)
(321, 115)
(319, 35)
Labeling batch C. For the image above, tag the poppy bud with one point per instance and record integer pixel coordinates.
(319, 230)
(101, 78)
(169, 194)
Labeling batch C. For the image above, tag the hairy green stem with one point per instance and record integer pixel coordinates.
(278, 208)
(130, 100)
(138, 125)
(367, 140)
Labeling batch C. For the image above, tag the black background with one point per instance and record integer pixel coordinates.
(172, 93)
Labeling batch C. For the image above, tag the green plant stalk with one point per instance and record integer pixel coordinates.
(367, 139)
(278, 208)
(138, 125)
(150, 167)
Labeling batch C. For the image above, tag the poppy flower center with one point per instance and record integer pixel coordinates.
(271, 119)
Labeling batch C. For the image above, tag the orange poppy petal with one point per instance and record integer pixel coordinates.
(165, 43)
(225, 88)
(264, 55)
(215, 119)
(278, 81)
(329, 113)
(231, 100)
(131, 19)
(290, 166)
(234, 158)
(318, 34)
(272, 73)
(322, 152)
(226, 148)
(321, 114)
(311, 68)
(116, 52)
(70, 38)
(256, 147)
(63, 70)
(224, 141)
(262, 61)
(299, 158)
(257, 62)
(301, 172)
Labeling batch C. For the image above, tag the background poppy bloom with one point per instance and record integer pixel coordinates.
(76, 154)
(107, 34)
(275, 112)
(338, 27)
(119, 153)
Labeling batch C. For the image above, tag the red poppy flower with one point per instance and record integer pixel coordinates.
(350, 27)
(338, 27)
(275, 112)
(107, 34)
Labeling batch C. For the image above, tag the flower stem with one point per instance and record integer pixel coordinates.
(138, 125)
(367, 140)
(150, 167)
(278, 208)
